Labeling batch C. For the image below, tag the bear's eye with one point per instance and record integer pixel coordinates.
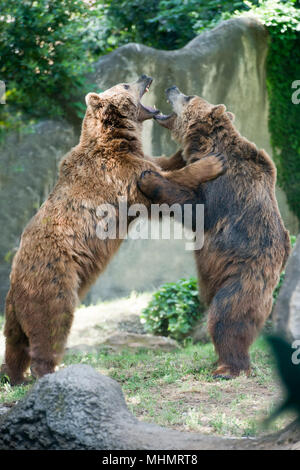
(126, 87)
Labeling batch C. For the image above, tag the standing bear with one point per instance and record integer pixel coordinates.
(246, 245)
(60, 254)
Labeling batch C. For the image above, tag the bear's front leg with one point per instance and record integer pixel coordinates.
(204, 169)
(160, 190)
(176, 162)
(180, 185)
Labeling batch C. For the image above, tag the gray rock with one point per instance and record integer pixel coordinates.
(82, 349)
(123, 339)
(131, 324)
(287, 308)
(62, 412)
(78, 408)
(4, 408)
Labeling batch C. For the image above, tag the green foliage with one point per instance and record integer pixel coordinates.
(163, 24)
(283, 68)
(128, 22)
(174, 309)
(42, 58)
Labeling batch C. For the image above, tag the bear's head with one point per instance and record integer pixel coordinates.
(119, 106)
(193, 121)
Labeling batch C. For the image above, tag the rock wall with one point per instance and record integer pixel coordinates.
(225, 65)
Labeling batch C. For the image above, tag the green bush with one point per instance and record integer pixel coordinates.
(174, 309)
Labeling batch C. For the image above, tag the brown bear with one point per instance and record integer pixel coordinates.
(245, 242)
(60, 254)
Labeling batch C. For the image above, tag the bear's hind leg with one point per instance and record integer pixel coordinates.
(232, 340)
(17, 358)
(46, 351)
(235, 318)
(47, 334)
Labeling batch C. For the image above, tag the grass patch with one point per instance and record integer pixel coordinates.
(176, 389)
(10, 395)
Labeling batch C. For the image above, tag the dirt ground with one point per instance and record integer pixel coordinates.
(219, 408)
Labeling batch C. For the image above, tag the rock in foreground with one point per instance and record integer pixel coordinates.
(78, 408)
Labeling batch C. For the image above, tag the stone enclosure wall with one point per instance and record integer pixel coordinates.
(225, 65)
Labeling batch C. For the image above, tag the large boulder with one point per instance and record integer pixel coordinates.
(287, 308)
(78, 408)
(224, 65)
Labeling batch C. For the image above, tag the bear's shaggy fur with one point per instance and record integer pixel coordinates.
(60, 254)
(246, 245)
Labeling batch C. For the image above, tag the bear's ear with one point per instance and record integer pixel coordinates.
(230, 115)
(218, 110)
(93, 100)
